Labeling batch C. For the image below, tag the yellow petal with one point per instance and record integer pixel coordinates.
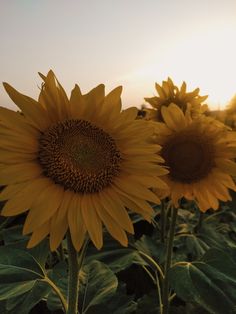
(12, 174)
(11, 190)
(160, 91)
(22, 196)
(115, 208)
(38, 235)
(76, 222)
(77, 103)
(224, 179)
(151, 182)
(213, 202)
(112, 102)
(129, 114)
(64, 206)
(153, 101)
(226, 165)
(139, 206)
(94, 99)
(54, 98)
(11, 157)
(19, 144)
(30, 108)
(183, 89)
(135, 189)
(221, 192)
(202, 200)
(111, 225)
(43, 208)
(173, 117)
(92, 221)
(58, 230)
(16, 121)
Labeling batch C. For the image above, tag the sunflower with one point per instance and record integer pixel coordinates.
(76, 164)
(169, 93)
(199, 156)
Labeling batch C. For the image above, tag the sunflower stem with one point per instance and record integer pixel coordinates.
(61, 252)
(159, 292)
(200, 220)
(163, 221)
(75, 264)
(169, 248)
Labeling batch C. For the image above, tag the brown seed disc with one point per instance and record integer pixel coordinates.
(189, 154)
(79, 156)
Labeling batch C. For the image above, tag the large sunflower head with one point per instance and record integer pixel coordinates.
(76, 164)
(169, 93)
(199, 155)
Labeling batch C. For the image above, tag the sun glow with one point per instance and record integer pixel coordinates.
(205, 60)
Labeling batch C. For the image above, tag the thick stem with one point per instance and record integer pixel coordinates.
(73, 284)
(159, 292)
(163, 221)
(168, 260)
(200, 220)
(61, 252)
(75, 265)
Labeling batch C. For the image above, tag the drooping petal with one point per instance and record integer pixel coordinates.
(43, 208)
(92, 221)
(39, 234)
(76, 222)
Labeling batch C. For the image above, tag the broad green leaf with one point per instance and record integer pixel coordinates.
(97, 284)
(223, 261)
(18, 272)
(117, 304)
(14, 289)
(211, 283)
(24, 303)
(113, 255)
(13, 237)
(152, 247)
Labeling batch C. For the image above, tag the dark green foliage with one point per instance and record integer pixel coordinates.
(123, 280)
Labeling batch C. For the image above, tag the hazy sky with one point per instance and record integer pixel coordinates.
(133, 43)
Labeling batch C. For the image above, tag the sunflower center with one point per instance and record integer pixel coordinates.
(189, 156)
(79, 156)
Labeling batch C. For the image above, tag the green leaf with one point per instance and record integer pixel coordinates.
(60, 277)
(24, 303)
(224, 261)
(152, 247)
(18, 272)
(13, 237)
(119, 303)
(97, 284)
(211, 283)
(113, 255)
(14, 289)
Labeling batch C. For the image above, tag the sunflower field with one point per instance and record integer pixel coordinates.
(105, 210)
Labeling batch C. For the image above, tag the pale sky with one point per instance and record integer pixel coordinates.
(133, 43)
